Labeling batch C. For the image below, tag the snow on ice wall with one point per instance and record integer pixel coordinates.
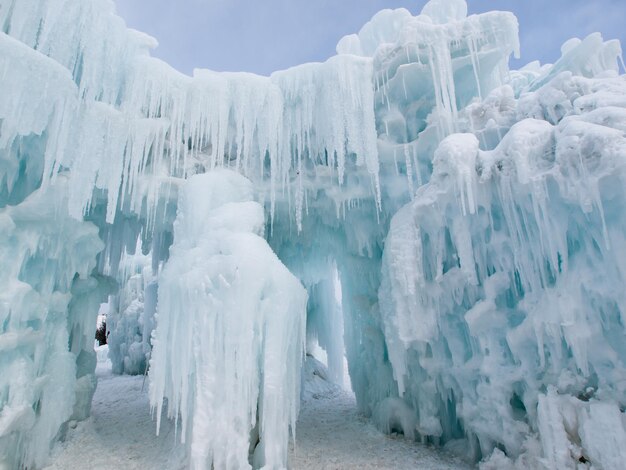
(230, 366)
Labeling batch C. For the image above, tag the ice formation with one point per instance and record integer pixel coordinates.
(241, 340)
(131, 315)
(467, 219)
(48, 306)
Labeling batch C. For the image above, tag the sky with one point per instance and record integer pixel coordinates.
(263, 36)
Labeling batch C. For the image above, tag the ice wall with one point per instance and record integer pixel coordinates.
(48, 306)
(501, 295)
(229, 341)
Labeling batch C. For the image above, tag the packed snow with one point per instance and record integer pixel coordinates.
(120, 431)
(331, 434)
(451, 227)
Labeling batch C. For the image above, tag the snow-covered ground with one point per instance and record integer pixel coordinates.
(330, 434)
(120, 434)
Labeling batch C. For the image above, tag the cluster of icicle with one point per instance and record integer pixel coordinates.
(123, 121)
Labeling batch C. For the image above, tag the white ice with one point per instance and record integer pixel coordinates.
(230, 366)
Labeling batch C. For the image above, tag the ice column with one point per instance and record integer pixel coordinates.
(230, 333)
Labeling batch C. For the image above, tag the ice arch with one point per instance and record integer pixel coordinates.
(450, 247)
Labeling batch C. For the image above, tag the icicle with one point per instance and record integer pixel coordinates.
(409, 170)
(406, 95)
(475, 63)
(395, 161)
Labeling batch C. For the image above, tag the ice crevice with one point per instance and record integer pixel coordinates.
(453, 227)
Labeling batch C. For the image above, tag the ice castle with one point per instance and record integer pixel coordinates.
(474, 216)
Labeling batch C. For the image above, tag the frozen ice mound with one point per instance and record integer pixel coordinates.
(316, 380)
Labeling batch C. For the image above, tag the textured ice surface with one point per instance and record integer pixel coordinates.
(472, 215)
(502, 293)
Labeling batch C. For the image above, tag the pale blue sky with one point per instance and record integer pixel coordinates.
(262, 36)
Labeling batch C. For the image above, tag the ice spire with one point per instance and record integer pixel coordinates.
(445, 11)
